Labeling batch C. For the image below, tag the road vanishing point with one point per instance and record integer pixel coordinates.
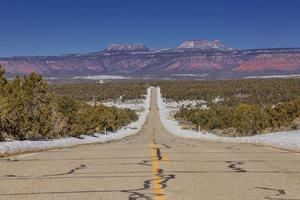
(153, 164)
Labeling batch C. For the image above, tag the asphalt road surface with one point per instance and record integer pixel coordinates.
(153, 165)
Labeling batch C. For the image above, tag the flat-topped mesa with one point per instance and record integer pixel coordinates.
(204, 45)
(127, 47)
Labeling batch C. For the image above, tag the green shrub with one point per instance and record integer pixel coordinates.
(28, 111)
(250, 119)
(246, 119)
(248, 106)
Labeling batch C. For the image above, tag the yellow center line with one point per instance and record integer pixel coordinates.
(157, 186)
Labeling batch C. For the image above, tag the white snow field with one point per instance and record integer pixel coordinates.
(14, 147)
(289, 140)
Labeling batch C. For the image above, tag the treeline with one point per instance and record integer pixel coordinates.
(244, 107)
(101, 92)
(244, 119)
(234, 92)
(29, 111)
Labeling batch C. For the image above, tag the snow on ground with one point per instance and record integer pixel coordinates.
(289, 140)
(274, 76)
(14, 147)
(186, 103)
(190, 75)
(136, 104)
(101, 77)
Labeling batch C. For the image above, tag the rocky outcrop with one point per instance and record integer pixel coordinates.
(276, 61)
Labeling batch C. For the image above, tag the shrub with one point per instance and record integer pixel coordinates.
(28, 111)
(250, 119)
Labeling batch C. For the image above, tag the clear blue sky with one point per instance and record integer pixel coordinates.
(54, 27)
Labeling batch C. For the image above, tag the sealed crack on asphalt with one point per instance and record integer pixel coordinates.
(69, 172)
(279, 192)
(235, 166)
(141, 193)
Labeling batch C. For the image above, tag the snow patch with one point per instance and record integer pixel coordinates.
(136, 105)
(274, 76)
(176, 105)
(14, 147)
(289, 140)
(101, 77)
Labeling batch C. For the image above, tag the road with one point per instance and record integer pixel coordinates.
(153, 164)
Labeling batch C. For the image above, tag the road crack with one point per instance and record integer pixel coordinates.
(236, 166)
(278, 192)
(71, 171)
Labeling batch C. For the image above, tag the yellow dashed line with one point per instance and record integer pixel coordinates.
(157, 187)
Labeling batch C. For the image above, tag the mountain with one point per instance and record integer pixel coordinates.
(212, 59)
(127, 47)
(204, 45)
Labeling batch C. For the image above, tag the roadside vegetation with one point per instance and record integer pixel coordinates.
(250, 91)
(30, 111)
(238, 107)
(108, 91)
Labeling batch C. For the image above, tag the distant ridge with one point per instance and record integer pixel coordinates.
(127, 47)
(209, 58)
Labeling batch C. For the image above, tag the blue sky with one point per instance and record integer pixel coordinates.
(54, 27)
